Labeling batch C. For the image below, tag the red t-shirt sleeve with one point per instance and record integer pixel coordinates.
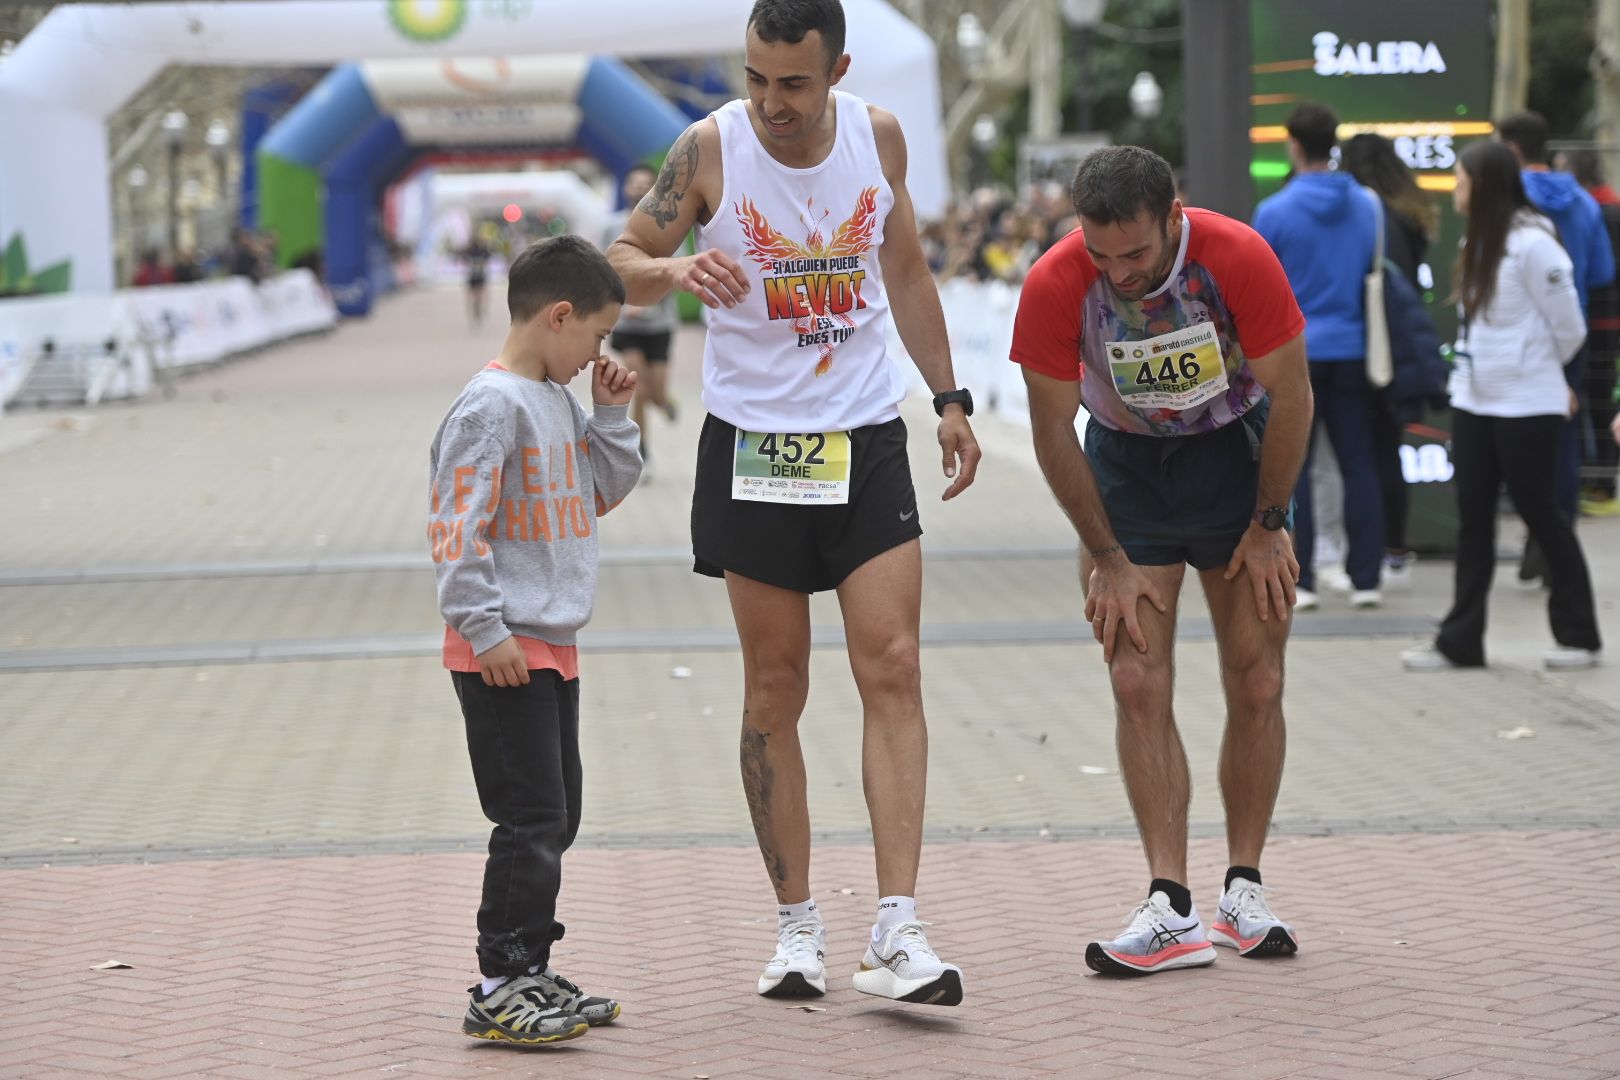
(1256, 291)
(1046, 330)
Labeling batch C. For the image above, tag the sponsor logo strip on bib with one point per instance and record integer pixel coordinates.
(1179, 370)
(810, 468)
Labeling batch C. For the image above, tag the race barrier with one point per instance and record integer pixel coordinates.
(85, 348)
(979, 322)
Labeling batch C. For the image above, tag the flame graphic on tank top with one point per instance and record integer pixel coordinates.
(818, 279)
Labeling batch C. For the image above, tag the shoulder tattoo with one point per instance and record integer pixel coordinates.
(674, 180)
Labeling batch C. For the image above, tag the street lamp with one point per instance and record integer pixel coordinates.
(218, 138)
(971, 43)
(137, 179)
(985, 135)
(175, 123)
(1147, 96)
(1082, 15)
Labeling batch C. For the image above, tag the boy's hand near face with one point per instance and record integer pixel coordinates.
(612, 383)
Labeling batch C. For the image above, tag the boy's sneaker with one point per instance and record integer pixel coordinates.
(1157, 939)
(595, 1011)
(518, 1011)
(1247, 924)
(903, 966)
(798, 968)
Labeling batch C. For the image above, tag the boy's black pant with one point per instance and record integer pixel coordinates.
(524, 744)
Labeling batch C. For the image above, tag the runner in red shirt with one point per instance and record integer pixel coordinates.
(1193, 355)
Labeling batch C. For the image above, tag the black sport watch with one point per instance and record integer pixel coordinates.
(953, 397)
(1272, 518)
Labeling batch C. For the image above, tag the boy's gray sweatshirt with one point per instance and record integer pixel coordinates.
(519, 477)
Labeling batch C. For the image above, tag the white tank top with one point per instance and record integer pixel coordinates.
(805, 350)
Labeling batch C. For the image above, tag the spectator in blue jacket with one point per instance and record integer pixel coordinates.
(1323, 226)
(1581, 230)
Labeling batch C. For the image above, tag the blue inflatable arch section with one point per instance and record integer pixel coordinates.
(323, 169)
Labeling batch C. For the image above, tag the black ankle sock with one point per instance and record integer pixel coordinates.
(1247, 873)
(1180, 897)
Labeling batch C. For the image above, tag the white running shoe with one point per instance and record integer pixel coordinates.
(1247, 924)
(1335, 579)
(1427, 658)
(1305, 600)
(1362, 599)
(1398, 575)
(797, 969)
(903, 966)
(1565, 658)
(1157, 939)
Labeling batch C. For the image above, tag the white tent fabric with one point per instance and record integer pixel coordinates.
(85, 60)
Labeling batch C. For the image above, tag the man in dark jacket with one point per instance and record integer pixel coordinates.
(1323, 227)
(1582, 232)
(1603, 343)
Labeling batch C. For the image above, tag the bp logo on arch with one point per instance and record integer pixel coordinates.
(428, 20)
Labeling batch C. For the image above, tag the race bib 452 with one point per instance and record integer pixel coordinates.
(811, 468)
(1179, 370)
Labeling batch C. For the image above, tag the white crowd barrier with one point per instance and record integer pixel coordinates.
(91, 348)
(979, 321)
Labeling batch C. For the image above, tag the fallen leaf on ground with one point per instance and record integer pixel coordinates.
(1517, 733)
(112, 965)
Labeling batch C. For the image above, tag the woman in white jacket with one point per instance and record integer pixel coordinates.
(1521, 320)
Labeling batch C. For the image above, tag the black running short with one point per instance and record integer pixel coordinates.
(803, 548)
(655, 347)
(1184, 499)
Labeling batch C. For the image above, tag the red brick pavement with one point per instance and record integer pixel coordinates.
(1478, 955)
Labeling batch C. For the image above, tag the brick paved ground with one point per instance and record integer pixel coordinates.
(1423, 957)
(138, 803)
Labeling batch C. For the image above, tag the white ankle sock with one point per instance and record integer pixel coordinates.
(784, 912)
(489, 986)
(892, 911)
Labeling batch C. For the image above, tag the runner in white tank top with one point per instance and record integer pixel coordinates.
(806, 242)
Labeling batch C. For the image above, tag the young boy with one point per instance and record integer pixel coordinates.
(519, 477)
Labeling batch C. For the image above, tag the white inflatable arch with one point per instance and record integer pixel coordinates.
(83, 61)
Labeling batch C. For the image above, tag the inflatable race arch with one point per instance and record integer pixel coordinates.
(84, 61)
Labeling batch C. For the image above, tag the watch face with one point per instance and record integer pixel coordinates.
(1274, 519)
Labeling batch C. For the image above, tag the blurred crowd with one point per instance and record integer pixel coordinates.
(251, 253)
(990, 236)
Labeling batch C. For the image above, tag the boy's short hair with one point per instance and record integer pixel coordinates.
(1527, 131)
(790, 20)
(561, 268)
(1315, 127)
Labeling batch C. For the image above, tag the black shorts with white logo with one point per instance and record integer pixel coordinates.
(803, 548)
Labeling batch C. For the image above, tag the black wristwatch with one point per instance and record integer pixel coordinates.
(953, 397)
(1272, 517)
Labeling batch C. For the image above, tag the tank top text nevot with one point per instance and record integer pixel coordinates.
(804, 351)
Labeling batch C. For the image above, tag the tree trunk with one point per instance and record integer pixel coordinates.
(1606, 86)
(1512, 87)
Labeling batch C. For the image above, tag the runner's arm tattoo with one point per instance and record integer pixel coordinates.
(674, 179)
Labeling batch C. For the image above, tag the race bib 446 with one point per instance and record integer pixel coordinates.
(1178, 370)
(811, 468)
